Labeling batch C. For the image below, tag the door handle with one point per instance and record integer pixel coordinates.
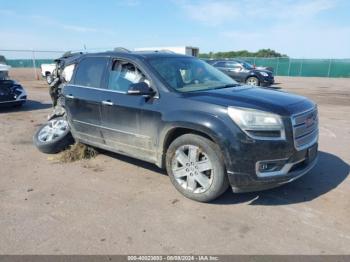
(107, 103)
(70, 96)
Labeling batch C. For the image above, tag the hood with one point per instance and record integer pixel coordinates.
(257, 70)
(264, 99)
(264, 68)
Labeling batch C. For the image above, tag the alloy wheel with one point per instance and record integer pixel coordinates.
(192, 169)
(252, 81)
(52, 130)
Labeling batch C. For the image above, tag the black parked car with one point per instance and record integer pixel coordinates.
(184, 115)
(11, 92)
(242, 71)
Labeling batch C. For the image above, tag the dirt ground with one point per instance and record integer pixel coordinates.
(117, 205)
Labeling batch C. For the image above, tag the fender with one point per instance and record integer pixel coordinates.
(209, 124)
(254, 75)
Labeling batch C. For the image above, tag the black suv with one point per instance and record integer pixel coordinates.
(242, 71)
(184, 115)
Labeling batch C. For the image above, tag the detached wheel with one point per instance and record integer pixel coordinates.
(54, 136)
(253, 81)
(196, 168)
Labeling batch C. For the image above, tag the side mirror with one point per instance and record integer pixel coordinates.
(140, 89)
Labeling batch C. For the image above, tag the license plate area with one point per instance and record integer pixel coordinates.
(311, 153)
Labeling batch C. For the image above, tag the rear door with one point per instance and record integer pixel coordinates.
(83, 98)
(129, 122)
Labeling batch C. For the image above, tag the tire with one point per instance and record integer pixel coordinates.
(253, 81)
(209, 183)
(61, 137)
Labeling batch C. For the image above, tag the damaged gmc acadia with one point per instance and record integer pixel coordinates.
(184, 115)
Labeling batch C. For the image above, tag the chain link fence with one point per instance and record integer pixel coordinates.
(304, 67)
(30, 59)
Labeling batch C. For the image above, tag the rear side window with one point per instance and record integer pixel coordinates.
(232, 65)
(90, 71)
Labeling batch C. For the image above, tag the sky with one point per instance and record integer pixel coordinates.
(298, 28)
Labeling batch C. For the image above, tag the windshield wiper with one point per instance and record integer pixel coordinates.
(227, 86)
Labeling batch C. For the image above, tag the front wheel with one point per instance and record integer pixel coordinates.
(54, 136)
(253, 81)
(196, 168)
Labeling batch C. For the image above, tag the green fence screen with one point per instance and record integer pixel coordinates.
(281, 66)
(304, 67)
(28, 62)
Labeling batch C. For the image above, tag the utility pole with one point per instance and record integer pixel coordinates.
(289, 64)
(329, 67)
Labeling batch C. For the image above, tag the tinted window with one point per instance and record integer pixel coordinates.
(90, 71)
(124, 74)
(232, 65)
(190, 74)
(220, 64)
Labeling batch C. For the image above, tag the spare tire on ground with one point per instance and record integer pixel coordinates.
(54, 136)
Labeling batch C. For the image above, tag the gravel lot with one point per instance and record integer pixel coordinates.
(117, 205)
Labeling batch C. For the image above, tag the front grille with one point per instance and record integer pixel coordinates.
(305, 129)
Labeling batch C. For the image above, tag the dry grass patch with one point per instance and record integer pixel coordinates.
(77, 152)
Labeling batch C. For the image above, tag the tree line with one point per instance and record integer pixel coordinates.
(243, 53)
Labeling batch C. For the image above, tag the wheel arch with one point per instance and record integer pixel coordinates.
(213, 131)
(253, 75)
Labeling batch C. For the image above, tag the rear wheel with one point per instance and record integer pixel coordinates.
(253, 81)
(196, 168)
(54, 136)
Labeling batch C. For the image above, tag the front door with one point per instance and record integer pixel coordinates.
(128, 121)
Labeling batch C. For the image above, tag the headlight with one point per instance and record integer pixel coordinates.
(258, 124)
(264, 74)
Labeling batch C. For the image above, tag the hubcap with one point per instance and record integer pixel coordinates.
(52, 130)
(192, 169)
(252, 82)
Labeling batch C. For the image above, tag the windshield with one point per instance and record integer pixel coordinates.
(247, 65)
(186, 74)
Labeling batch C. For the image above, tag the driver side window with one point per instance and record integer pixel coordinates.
(123, 74)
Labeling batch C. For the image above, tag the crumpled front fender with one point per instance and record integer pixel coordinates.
(57, 111)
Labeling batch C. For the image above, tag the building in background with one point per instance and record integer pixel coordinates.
(184, 50)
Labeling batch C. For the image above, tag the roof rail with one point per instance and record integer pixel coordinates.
(121, 49)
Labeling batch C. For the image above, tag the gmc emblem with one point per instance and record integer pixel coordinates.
(309, 121)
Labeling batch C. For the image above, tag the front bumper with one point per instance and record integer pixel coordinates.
(267, 81)
(250, 183)
(17, 98)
